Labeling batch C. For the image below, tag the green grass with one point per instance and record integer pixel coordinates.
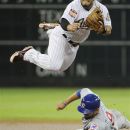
(40, 104)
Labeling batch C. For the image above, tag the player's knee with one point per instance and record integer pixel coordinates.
(56, 66)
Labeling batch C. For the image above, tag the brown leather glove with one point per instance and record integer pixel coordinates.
(95, 21)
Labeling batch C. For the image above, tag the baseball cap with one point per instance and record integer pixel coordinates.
(89, 104)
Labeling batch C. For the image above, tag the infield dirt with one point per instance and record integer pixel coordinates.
(40, 126)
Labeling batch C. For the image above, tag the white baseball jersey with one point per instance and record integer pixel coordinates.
(75, 12)
(106, 119)
(60, 53)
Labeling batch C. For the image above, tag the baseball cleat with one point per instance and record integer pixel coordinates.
(18, 55)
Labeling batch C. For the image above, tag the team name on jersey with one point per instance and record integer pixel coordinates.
(73, 13)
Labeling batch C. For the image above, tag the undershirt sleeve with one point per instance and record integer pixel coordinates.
(64, 23)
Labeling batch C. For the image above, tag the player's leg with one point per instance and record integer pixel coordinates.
(121, 120)
(55, 57)
(70, 54)
(51, 61)
(18, 55)
(56, 51)
(60, 54)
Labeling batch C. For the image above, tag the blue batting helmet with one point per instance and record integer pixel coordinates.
(89, 104)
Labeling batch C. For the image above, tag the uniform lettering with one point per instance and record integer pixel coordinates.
(46, 73)
(20, 1)
(50, 1)
(50, 15)
(81, 70)
(4, 1)
(110, 117)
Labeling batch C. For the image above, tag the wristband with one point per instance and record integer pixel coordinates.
(64, 103)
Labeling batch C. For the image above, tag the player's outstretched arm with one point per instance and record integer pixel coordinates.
(67, 101)
(45, 26)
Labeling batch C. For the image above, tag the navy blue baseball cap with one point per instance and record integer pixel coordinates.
(89, 104)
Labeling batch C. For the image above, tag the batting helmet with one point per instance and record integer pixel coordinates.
(89, 104)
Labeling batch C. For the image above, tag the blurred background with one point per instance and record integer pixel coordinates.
(102, 62)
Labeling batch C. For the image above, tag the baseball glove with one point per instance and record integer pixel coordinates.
(95, 21)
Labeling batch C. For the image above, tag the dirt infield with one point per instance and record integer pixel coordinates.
(40, 126)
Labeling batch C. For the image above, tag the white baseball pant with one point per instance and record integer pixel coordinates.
(59, 57)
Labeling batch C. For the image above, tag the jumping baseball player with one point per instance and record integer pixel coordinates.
(79, 18)
(95, 115)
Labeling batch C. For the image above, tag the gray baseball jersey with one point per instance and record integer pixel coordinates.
(106, 119)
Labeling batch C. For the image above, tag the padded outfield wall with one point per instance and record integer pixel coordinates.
(102, 60)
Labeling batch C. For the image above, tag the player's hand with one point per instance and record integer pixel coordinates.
(73, 27)
(108, 30)
(61, 106)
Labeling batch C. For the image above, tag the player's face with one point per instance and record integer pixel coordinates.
(86, 3)
(87, 116)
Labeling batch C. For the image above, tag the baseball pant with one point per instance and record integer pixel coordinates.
(60, 54)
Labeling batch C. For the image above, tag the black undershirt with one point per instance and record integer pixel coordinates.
(64, 23)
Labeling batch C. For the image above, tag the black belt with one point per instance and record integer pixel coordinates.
(74, 44)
